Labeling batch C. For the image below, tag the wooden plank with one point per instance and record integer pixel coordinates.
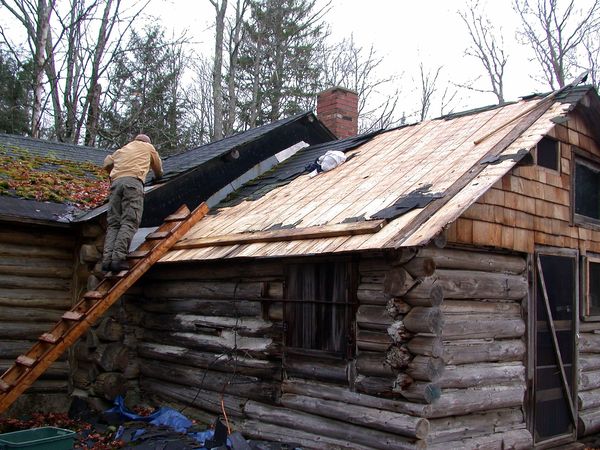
(316, 232)
(20, 380)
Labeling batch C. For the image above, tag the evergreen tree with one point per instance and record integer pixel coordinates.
(15, 95)
(144, 94)
(278, 64)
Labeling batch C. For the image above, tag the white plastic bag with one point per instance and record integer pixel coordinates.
(331, 159)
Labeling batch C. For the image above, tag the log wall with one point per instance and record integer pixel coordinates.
(589, 378)
(532, 205)
(36, 287)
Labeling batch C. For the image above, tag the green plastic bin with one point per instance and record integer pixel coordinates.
(45, 438)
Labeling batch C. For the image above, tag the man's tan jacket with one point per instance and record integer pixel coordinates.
(134, 160)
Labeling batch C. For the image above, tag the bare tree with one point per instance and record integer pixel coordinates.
(428, 79)
(487, 45)
(556, 33)
(592, 58)
(217, 87)
(348, 65)
(199, 94)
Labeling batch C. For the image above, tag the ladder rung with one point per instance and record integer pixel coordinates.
(4, 386)
(26, 361)
(93, 295)
(177, 217)
(138, 254)
(157, 235)
(49, 338)
(72, 315)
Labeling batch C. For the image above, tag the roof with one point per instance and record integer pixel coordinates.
(193, 157)
(399, 188)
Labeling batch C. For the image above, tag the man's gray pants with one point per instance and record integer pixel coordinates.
(125, 207)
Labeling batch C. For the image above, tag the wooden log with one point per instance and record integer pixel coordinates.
(36, 267)
(205, 290)
(461, 427)
(85, 375)
(380, 386)
(371, 317)
(36, 251)
(30, 314)
(466, 284)
(397, 307)
(218, 270)
(108, 385)
(481, 350)
(258, 430)
(398, 332)
(463, 401)
(371, 297)
(191, 396)
(45, 386)
(425, 293)
(226, 340)
(402, 424)
(589, 380)
(470, 260)
(234, 384)
(481, 326)
(322, 369)
(372, 363)
(400, 256)
(589, 327)
(110, 330)
(112, 357)
(420, 267)
(35, 237)
(420, 392)
(342, 394)
(23, 330)
(589, 422)
(589, 361)
(426, 368)
(205, 307)
(397, 282)
(373, 278)
(370, 265)
(18, 281)
(229, 362)
(329, 427)
(426, 345)
(482, 374)
(376, 341)
(245, 326)
(398, 357)
(503, 309)
(514, 439)
(424, 320)
(589, 343)
(58, 369)
(275, 312)
(589, 399)
(34, 298)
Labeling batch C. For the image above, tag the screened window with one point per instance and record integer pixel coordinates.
(587, 189)
(548, 154)
(318, 307)
(591, 305)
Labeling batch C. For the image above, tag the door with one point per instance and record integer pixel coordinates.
(555, 312)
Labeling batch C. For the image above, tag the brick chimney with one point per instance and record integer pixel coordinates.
(337, 108)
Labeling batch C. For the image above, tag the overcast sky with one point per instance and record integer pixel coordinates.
(405, 33)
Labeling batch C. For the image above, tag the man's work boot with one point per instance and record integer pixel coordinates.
(106, 266)
(119, 265)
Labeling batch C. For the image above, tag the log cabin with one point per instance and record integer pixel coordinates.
(440, 289)
(52, 222)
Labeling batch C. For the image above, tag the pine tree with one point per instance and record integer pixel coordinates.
(15, 95)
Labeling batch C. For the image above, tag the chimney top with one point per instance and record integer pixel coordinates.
(337, 108)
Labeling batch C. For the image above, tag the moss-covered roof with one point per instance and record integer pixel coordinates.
(48, 178)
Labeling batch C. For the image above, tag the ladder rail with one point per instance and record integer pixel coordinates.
(33, 363)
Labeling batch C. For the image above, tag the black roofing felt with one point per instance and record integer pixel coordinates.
(60, 150)
(12, 208)
(293, 167)
(191, 158)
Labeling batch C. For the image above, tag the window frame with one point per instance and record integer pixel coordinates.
(585, 288)
(351, 302)
(558, 154)
(580, 157)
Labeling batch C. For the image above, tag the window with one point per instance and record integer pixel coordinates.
(587, 189)
(548, 154)
(591, 288)
(319, 307)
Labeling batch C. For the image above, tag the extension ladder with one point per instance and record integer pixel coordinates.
(92, 305)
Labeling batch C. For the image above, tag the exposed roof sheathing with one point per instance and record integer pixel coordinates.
(448, 158)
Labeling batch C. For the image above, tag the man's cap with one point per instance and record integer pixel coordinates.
(143, 138)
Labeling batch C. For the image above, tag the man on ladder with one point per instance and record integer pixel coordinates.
(127, 168)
